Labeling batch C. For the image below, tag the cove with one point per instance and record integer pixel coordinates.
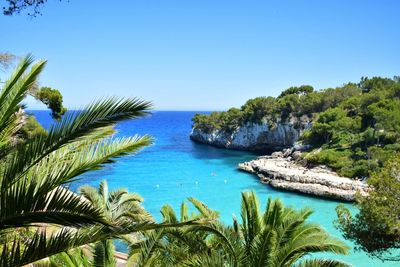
(175, 168)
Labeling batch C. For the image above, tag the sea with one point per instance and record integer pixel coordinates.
(175, 168)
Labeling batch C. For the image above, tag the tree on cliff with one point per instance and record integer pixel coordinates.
(301, 90)
(53, 99)
(376, 228)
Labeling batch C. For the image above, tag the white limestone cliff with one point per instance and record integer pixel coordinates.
(251, 137)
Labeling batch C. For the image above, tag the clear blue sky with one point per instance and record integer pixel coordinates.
(205, 55)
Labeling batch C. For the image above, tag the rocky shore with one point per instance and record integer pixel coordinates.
(281, 172)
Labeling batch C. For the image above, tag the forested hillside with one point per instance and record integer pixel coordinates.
(354, 130)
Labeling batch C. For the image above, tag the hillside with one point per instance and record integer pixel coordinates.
(353, 128)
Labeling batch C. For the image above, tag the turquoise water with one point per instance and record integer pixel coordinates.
(175, 168)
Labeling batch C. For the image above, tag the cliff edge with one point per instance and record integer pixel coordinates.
(251, 136)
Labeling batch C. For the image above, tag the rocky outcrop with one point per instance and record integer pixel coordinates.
(282, 173)
(251, 136)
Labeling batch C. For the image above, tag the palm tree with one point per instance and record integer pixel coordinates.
(279, 236)
(116, 206)
(75, 257)
(35, 174)
(172, 246)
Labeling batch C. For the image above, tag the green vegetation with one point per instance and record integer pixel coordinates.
(359, 133)
(355, 127)
(355, 130)
(376, 228)
(278, 236)
(39, 217)
(116, 206)
(52, 98)
(292, 103)
(43, 223)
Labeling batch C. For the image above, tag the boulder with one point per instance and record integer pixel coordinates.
(296, 155)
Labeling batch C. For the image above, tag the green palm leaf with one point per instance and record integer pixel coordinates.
(41, 245)
(74, 127)
(21, 206)
(322, 263)
(33, 172)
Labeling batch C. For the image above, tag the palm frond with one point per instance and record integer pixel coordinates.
(73, 127)
(41, 245)
(225, 235)
(322, 263)
(264, 248)
(103, 254)
(169, 215)
(205, 212)
(8, 135)
(310, 243)
(251, 223)
(16, 88)
(22, 205)
(214, 259)
(143, 252)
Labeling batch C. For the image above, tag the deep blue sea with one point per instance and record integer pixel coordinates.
(175, 168)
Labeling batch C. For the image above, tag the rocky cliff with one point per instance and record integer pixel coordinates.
(282, 173)
(251, 137)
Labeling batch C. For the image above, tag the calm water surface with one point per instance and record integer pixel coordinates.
(175, 168)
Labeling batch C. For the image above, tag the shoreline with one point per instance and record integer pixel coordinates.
(284, 174)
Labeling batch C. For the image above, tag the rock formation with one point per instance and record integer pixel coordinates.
(279, 171)
(250, 137)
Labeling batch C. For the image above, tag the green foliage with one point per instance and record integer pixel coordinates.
(295, 102)
(332, 125)
(287, 105)
(118, 207)
(226, 121)
(39, 216)
(72, 258)
(355, 128)
(361, 131)
(173, 246)
(255, 110)
(31, 128)
(276, 236)
(375, 84)
(376, 227)
(52, 98)
(34, 173)
(304, 89)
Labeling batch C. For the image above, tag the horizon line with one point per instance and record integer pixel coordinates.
(153, 110)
